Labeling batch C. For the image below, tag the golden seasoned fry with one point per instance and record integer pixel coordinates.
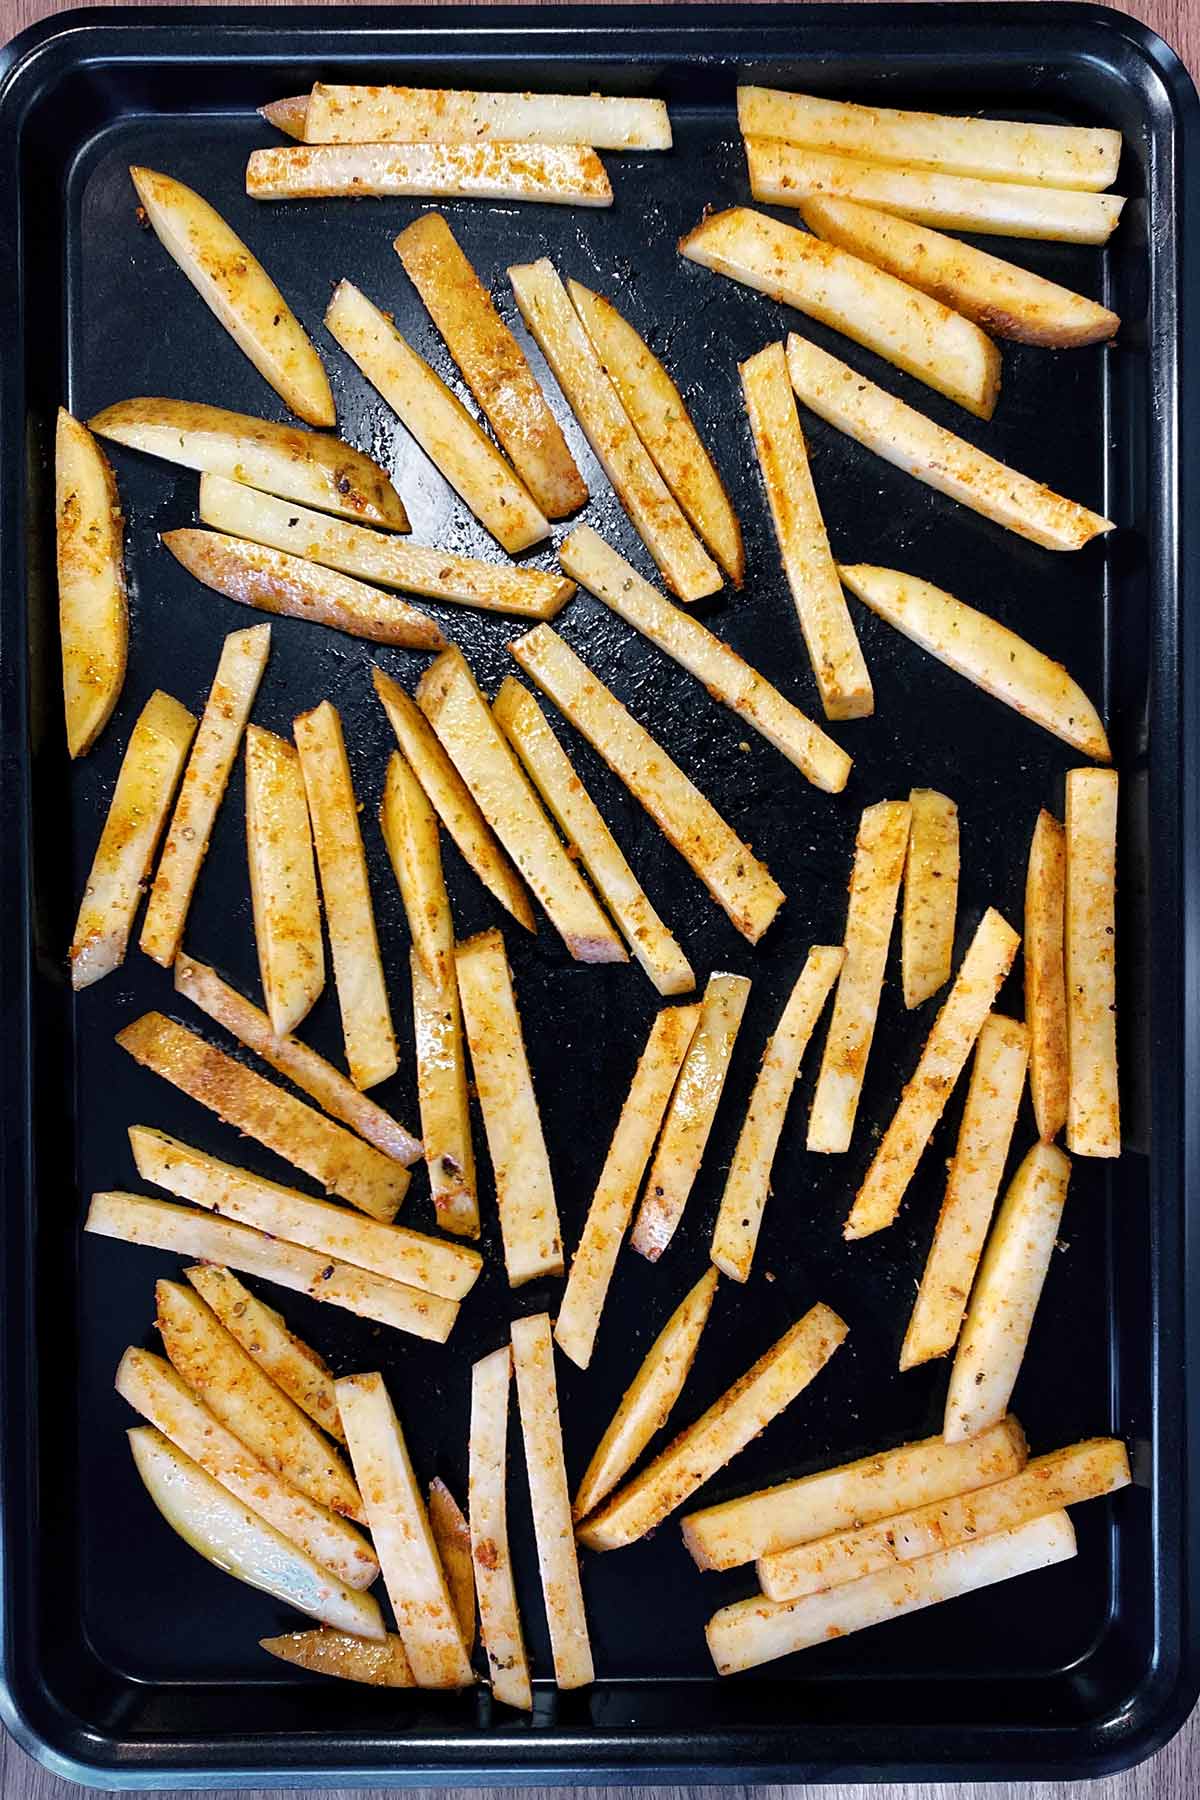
(381, 1663)
(452, 1538)
(1045, 976)
(93, 608)
(499, 1618)
(410, 831)
(557, 174)
(377, 115)
(283, 881)
(1093, 1101)
(292, 1364)
(930, 896)
(289, 116)
(443, 1097)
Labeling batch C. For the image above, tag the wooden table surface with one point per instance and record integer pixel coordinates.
(1172, 1775)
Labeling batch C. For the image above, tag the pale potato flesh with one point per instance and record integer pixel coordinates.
(263, 1334)
(930, 896)
(556, 174)
(452, 1537)
(283, 880)
(444, 1099)
(1093, 1097)
(1045, 975)
(376, 1663)
(499, 1616)
(342, 115)
(93, 607)
(410, 832)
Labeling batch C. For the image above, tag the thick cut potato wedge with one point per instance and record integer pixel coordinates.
(912, 442)
(829, 635)
(986, 652)
(289, 116)
(647, 1402)
(378, 115)
(988, 1121)
(93, 607)
(744, 1200)
(308, 466)
(239, 671)
(236, 1540)
(742, 886)
(579, 819)
(410, 831)
(1093, 1099)
(744, 1410)
(1007, 1290)
(292, 1364)
(150, 772)
(450, 698)
(452, 1538)
(283, 881)
(404, 1543)
(787, 175)
(444, 1100)
(855, 1493)
(556, 174)
(689, 1121)
(612, 1203)
(1000, 297)
(499, 1617)
(930, 896)
(437, 419)
(879, 852)
(663, 423)
(237, 288)
(550, 1502)
(520, 1166)
(727, 679)
(756, 1631)
(546, 309)
(1045, 976)
(340, 1653)
(451, 799)
(493, 364)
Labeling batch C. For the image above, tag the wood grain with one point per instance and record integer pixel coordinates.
(1172, 1775)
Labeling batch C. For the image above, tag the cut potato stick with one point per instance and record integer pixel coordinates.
(290, 117)
(452, 1539)
(308, 466)
(257, 1108)
(662, 421)
(412, 1570)
(988, 1121)
(1000, 297)
(235, 684)
(442, 1094)
(376, 115)
(236, 287)
(580, 821)
(741, 885)
(272, 581)
(829, 636)
(617, 1189)
(283, 881)
(520, 1166)
(150, 771)
(153, 1389)
(689, 1121)
(451, 799)
(744, 1200)
(980, 977)
(986, 652)
(410, 831)
(755, 1631)
(728, 1426)
(261, 1331)
(93, 607)
(1045, 976)
(879, 851)
(912, 442)
(318, 1078)
(233, 1538)
(546, 309)
(930, 895)
(787, 175)
(339, 1653)
(550, 1502)
(647, 1402)
(499, 1618)
(1093, 1100)
(556, 174)
(437, 419)
(492, 363)
(450, 698)
(599, 568)
(1064, 1478)
(855, 1493)
(1006, 1292)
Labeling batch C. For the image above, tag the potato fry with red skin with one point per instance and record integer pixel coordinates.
(452, 1536)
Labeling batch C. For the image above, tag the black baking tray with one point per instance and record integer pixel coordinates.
(126, 1661)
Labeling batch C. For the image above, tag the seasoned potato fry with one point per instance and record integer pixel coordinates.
(493, 364)
(499, 1618)
(1045, 975)
(452, 1539)
(741, 885)
(759, 1396)
(980, 977)
(410, 831)
(412, 1571)
(235, 684)
(930, 896)
(546, 309)
(744, 1200)
(378, 115)
(1006, 1293)
(647, 1402)
(557, 174)
(977, 1169)
(380, 1663)
(283, 881)
(1002, 298)
(236, 287)
(442, 1094)
(93, 608)
(829, 636)
(905, 437)
(1093, 1100)
(261, 1331)
(150, 771)
(289, 116)
(662, 421)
